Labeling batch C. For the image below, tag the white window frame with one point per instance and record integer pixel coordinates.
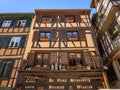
(6, 23)
(13, 41)
(21, 23)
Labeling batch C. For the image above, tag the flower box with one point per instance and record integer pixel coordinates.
(43, 38)
(73, 39)
(46, 21)
(70, 21)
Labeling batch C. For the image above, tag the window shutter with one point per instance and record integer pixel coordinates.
(28, 23)
(1, 21)
(2, 68)
(53, 57)
(54, 19)
(35, 36)
(24, 64)
(62, 18)
(77, 19)
(1, 41)
(14, 23)
(22, 41)
(54, 35)
(5, 41)
(63, 35)
(31, 58)
(82, 35)
(64, 58)
(88, 58)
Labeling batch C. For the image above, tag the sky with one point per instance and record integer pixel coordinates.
(7, 6)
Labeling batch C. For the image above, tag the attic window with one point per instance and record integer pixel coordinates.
(6, 23)
(70, 19)
(21, 23)
(46, 19)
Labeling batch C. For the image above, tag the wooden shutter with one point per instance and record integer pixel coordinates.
(63, 35)
(28, 23)
(62, 18)
(1, 21)
(38, 18)
(77, 18)
(82, 35)
(5, 41)
(35, 36)
(0, 41)
(88, 58)
(22, 41)
(64, 57)
(24, 64)
(14, 23)
(54, 19)
(53, 57)
(54, 34)
(31, 58)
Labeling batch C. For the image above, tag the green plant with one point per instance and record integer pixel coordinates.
(101, 15)
(70, 18)
(96, 1)
(115, 34)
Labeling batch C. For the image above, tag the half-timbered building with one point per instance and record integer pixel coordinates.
(106, 23)
(14, 31)
(61, 53)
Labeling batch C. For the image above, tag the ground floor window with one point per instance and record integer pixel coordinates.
(6, 68)
(75, 59)
(111, 74)
(42, 59)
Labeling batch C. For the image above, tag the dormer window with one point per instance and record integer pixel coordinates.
(47, 19)
(21, 23)
(70, 19)
(14, 42)
(6, 23)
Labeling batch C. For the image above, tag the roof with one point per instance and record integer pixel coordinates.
(17, 14)
(81, 11)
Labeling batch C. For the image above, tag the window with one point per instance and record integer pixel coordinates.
(72, 36)
(114, 30)
(111, 74)
(75, 59)
(43, 60)
(70, 19)
(6, 23)
(21, 23)
(6, 68)
(45, 36)
(46, 19)
(14, 42)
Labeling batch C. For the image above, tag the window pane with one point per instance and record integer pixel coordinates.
(14, 42)
(6, 23)
(48, 35)
(39, 59)
(6, 68)
(42, 34)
